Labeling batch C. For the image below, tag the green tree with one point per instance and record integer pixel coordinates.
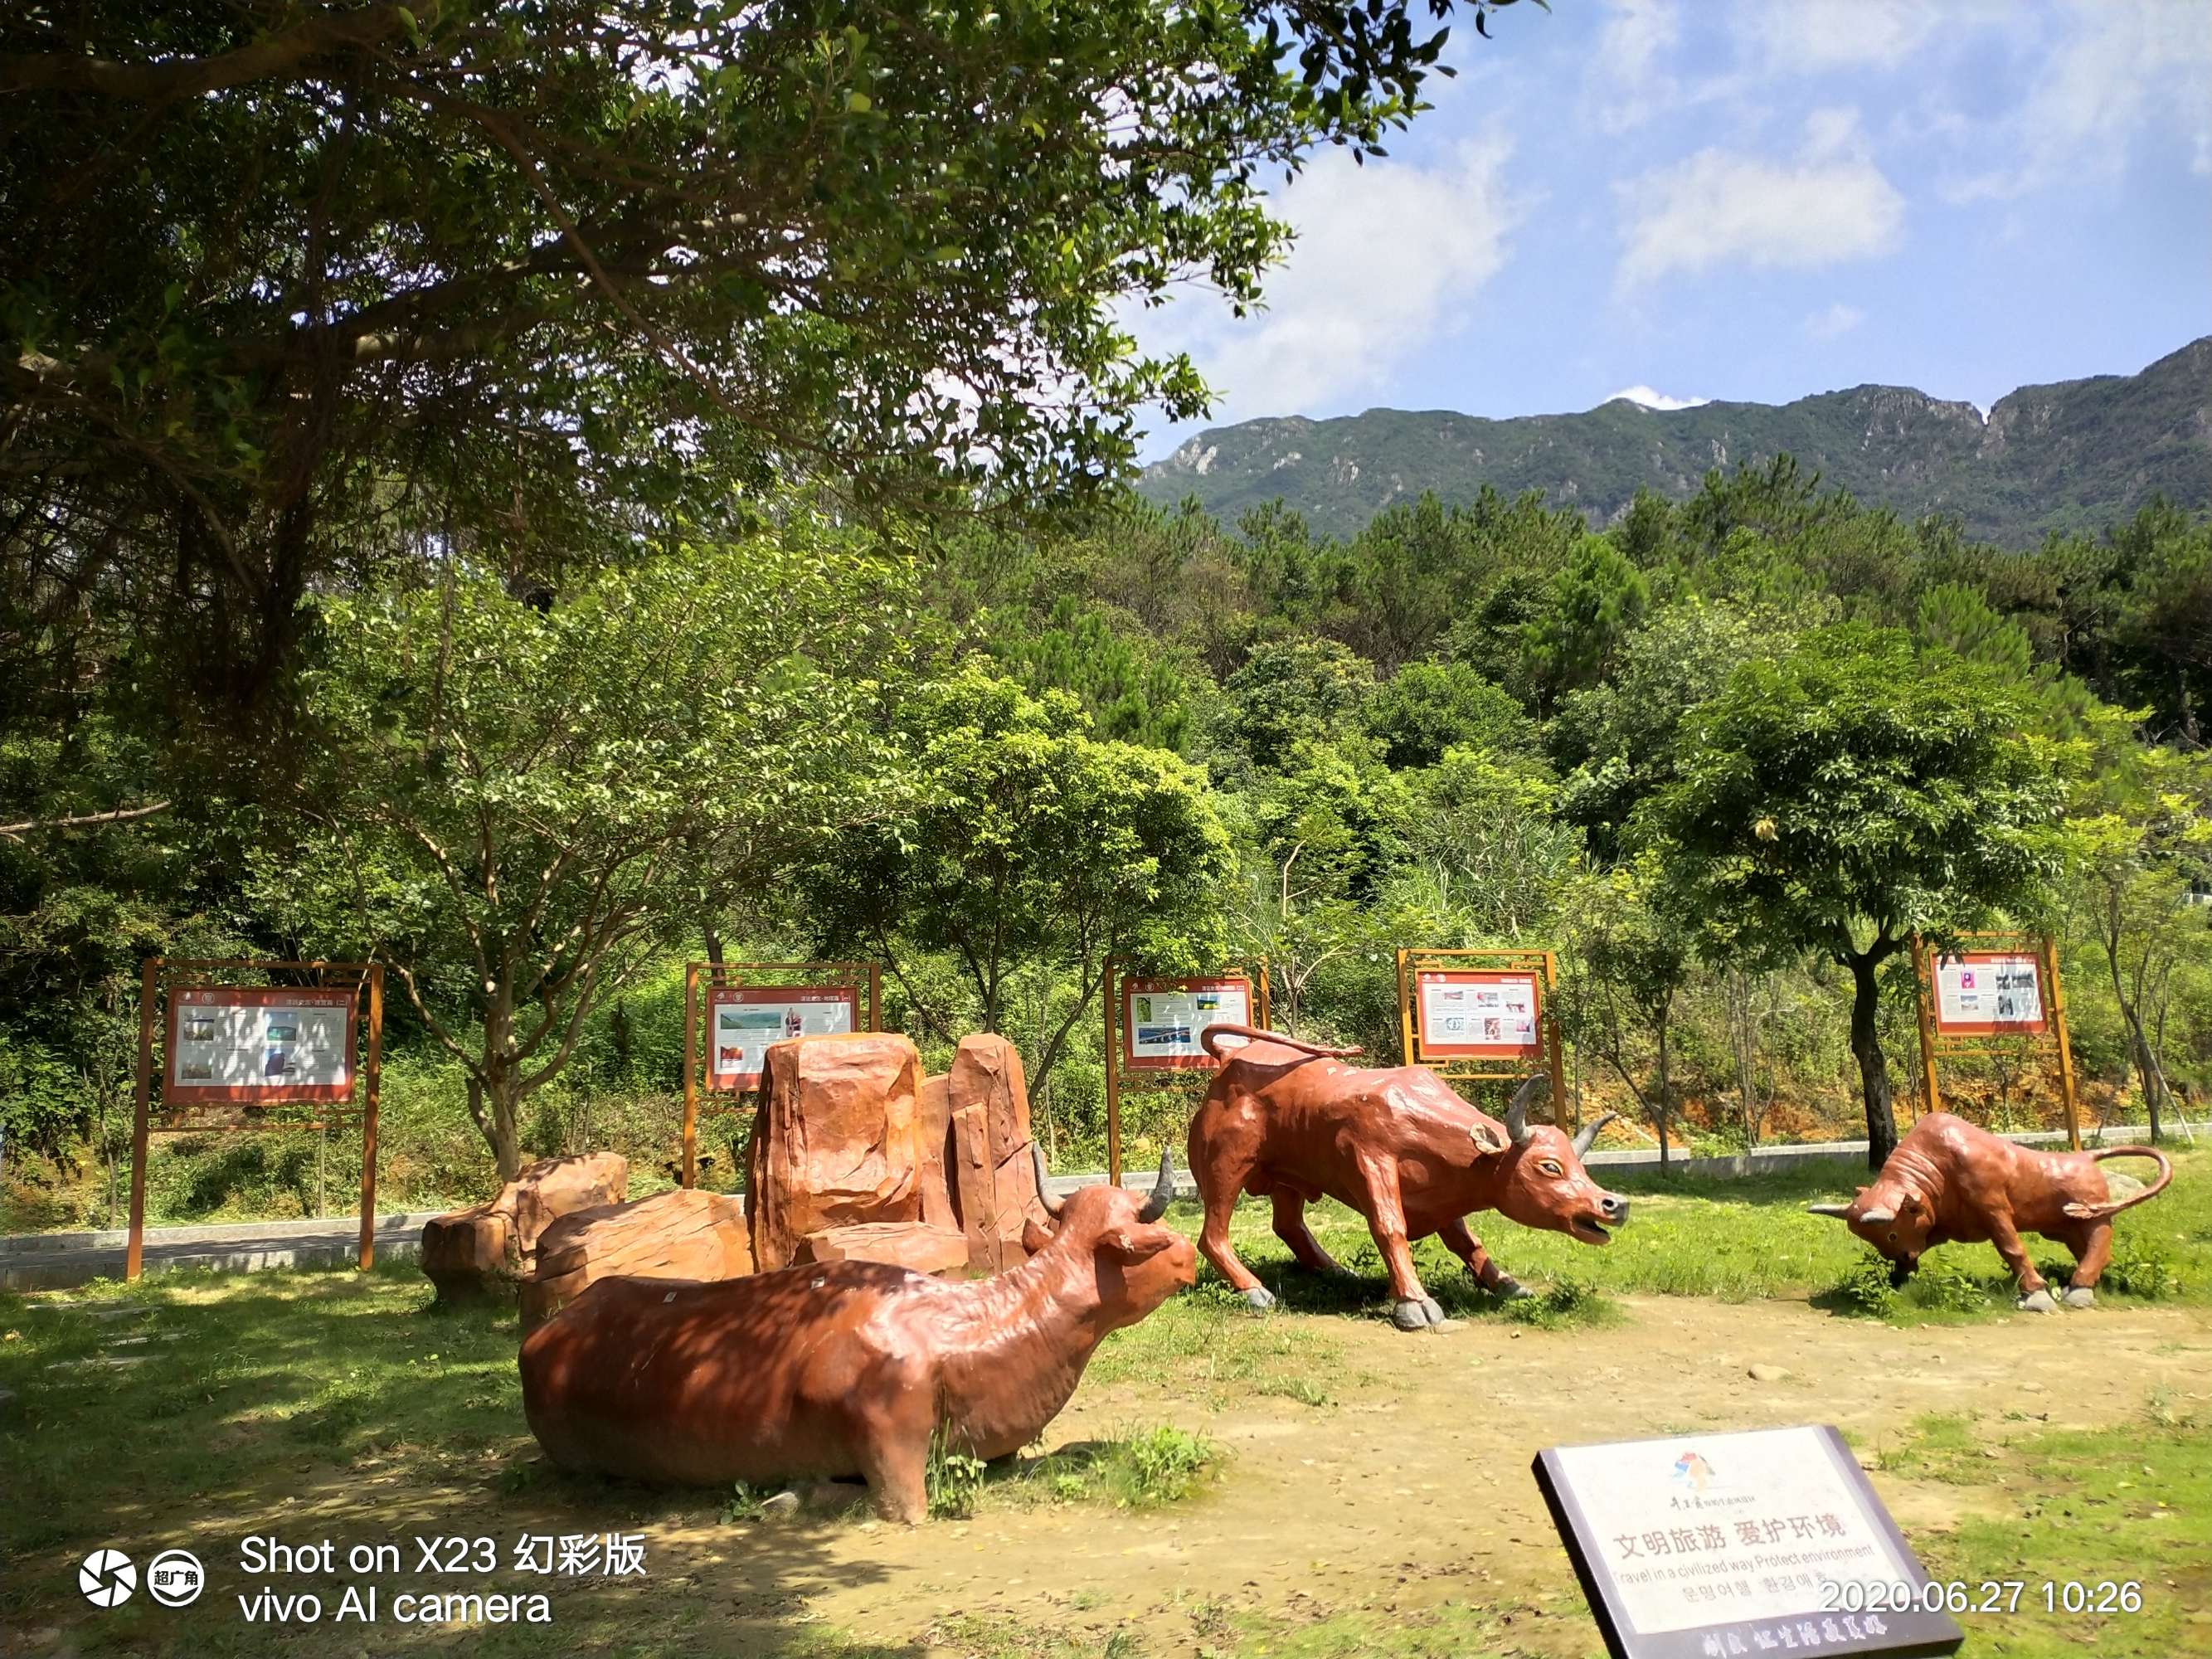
(1628, 959)
(288, 284)
(1291, 692)
(1428, 707)
(518, 807)
(1853, 793)
(1599, 599)
(1024, 841)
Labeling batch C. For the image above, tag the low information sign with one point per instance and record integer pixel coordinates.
(1989, 993)
(1710, 1546)
(742, 1020)
(1474, 1013)
(1162, 1019)
(242, 1044)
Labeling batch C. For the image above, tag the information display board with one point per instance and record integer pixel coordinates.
(1473, 1013)
(1989, 994)
(1766, 1540)
(242, 1044)
(742, 1020)
(1162, 1019)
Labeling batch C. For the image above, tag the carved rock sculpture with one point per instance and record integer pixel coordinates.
(845, 1368)
(1285, 1120)
(989, 1157)
(484, 1249)
(683, 1234)
(1949, 1182)
(836, 1141)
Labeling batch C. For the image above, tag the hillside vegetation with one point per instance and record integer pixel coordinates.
(2065, 458)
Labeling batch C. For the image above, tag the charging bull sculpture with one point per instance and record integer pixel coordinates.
(1283, 1120)
(845, 1368)
(1950, 1182)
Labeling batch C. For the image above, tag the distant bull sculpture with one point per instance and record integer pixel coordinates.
(846, 1368)
(1948, 1181)
(1286, 1121)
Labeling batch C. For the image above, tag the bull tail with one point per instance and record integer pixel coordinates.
(2100, 1212)
(1254, 1033)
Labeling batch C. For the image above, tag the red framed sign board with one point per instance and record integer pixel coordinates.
(1163, 1019)
(1991, 994)
(241, 1045)
(1479, 1013)
(742, 1020)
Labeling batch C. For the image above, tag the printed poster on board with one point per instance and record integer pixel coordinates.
(1163, 1019)
(742, 1020)
(1479, 1014)
(1989, 993)
(244, 1044)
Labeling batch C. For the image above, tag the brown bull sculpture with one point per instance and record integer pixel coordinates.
(1283, 1120)
(845, 1368)
(1951, 1183)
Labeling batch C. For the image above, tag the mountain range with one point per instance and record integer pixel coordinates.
(2074, 455)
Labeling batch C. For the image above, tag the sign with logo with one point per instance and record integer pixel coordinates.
(242, 1044)
(1989, 993)
(1475, 1013)
(1162, 1019)
(742, 1020)
(1710, 1546)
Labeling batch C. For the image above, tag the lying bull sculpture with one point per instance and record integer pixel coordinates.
(1284, 1121)
(1949, 1182)
(845, 1368)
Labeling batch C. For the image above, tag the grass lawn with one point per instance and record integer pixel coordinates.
(244, 1401)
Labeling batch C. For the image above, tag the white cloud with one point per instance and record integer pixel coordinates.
(1722, 207)
(1388, 257)
(1837, 319)
(2111, 72)
(1812, 36)
(1648, 399)
(1627, 84)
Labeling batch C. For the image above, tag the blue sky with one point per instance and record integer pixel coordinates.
(1750, 199)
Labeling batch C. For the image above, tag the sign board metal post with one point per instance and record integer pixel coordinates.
(1477, 1055)
(238, 1055)
(1961, 1018)
(854, 987)
(1122, 1042)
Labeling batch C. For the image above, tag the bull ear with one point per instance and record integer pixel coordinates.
(1487, 1141)
(1841, 1212)
(1588, 1136)
(1034, 1237)
(1516, 1114)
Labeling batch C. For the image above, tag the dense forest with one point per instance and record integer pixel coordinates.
(1726, 757)
(613, 484)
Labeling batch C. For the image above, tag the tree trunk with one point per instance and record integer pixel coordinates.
(1866, 1049)
(1666, 1100)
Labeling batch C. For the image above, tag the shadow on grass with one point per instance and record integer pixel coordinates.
(311, 1405)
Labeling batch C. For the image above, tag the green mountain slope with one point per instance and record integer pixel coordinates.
(2074, 455)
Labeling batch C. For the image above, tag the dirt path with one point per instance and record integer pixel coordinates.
(1415, 1488)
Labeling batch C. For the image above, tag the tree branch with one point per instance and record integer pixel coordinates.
(121, 814)
(274, 57)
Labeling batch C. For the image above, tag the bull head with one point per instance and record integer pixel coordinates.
(1140, 1263)
(1543, 1183)
(1893, 1217)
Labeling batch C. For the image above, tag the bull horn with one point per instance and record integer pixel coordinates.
(1516, 1114)
(1052, 1206)
(1163, 1190)
(1877, 1217)
(1841, 1212)
(1588, 1136)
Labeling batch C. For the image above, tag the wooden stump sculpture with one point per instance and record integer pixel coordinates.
(483, 1250)
(684, 1234)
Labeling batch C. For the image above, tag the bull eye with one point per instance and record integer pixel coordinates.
(1892, 1235)
(1550, 1167)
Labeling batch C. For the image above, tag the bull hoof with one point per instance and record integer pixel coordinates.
(1258, 1296)
(2080, 1296)
(1416, 1313)
(2040, 1301)
(1511, 1289)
